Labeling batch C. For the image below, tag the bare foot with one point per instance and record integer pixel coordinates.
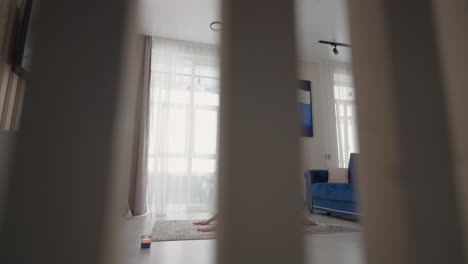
(202, 223)
(308, 222)
(207, 229)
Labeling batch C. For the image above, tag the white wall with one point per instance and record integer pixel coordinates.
(313, 148)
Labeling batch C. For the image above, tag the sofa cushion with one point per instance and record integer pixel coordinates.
(333, 191)
(338, 175)
(316, 176)
(353, 167)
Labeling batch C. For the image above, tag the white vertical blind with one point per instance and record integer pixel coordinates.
(183, 127)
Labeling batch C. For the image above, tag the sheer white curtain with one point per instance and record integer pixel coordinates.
(341, 123)
(184, 105)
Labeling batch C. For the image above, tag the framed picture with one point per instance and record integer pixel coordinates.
(304, 100)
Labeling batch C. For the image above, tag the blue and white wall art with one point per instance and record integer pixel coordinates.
(304, 99)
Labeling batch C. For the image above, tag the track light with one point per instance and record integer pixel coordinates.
(334, 45)
(335, 50)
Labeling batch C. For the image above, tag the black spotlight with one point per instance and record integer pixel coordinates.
(334, 45)
(335, 50)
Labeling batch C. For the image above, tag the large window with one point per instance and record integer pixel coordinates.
(345, 114)
(183, 127)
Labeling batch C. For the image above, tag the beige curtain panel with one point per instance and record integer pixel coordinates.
(138, 181)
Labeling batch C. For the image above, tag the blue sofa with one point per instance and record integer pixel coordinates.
(333, 198)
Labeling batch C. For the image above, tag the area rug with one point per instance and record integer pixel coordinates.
(185, 230)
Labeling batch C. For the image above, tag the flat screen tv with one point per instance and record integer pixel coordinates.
(22, 49)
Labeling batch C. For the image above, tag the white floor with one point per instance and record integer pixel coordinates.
(340, 248)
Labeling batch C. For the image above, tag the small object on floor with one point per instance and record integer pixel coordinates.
(146, 241)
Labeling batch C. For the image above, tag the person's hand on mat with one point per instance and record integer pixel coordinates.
(207, 222)
(202, 222)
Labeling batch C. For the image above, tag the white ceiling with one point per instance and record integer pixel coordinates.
(190, 19)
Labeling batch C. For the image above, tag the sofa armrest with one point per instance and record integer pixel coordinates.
(311, 177)
(316, 176)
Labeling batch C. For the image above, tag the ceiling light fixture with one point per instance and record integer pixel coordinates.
(335, 50)
(334, 45)
(216, 26)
